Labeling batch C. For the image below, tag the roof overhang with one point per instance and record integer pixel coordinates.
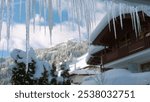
(137, 58)
(106, 37)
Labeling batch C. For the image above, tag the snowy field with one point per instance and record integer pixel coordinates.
(118, 77)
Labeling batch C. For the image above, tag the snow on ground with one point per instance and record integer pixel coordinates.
(78, 67)
(85, 71)
(119, 77)
(80, 70)
(78, 63)
(5, 76)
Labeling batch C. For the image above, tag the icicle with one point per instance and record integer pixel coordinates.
(1, 16)
(79, 19)
(31, 11)
(79, 32)
(45, 9)
(135, 26)
(34, 13)
(120, 14)
(20, 9)
(27, 31)
(124, 10)
(73, 12)
(114, 24)
(108, 16)
(132, 18)
(50, 18)
(12, 13)
(94, 10)
(40, 11)
(143, 15)
(8, 3)
(138, 21)
(60, 12)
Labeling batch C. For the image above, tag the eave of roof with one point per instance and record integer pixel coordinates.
(104, 22)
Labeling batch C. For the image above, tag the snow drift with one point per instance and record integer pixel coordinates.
(119, 77)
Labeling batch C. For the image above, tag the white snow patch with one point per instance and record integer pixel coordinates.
(79, 63)
(85, 71)
(78, 67)
(119, 77)
(20, 56)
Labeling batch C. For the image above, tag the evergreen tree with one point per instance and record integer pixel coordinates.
(44, 79)
(21, 76)
(65, 74)
(53, 74)
(38, 72)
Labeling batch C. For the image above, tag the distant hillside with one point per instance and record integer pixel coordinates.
(63, 51)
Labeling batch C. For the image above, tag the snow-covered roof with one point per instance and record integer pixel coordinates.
(88, 57)
(114, 10)
(117, 10)
(78, 63)
(99, 28)
(84, 72)
(93, 49)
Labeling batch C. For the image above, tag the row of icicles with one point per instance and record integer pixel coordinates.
(81, 12)
(120, 9)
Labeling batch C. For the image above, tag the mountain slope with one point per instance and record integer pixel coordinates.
(64, 51)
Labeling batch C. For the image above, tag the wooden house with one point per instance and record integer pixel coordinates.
(128, 49)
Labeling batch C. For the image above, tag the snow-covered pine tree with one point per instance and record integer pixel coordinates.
(36, 74)
(54, 74)
(65, 73)
(30, 73)
(18, 74)
(44, 79)
(22, 77)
